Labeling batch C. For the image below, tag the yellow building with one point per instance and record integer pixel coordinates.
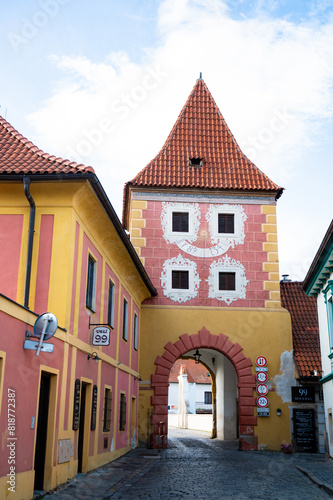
(202, 218)
(72, 406)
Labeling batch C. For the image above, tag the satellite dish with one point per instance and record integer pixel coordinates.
(46, 325)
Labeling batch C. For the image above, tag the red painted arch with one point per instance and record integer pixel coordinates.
(245, 380)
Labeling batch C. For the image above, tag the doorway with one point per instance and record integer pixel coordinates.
(84, 425)
(42, 423)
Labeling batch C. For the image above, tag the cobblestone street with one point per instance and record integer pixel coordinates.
(195, 466)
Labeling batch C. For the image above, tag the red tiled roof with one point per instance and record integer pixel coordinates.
(201, 132)
(195, 372)
(305, 329)
(20, 156)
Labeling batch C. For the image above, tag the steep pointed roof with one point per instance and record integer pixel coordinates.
(18, 156)
(201, 133)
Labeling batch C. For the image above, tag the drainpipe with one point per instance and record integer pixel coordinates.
(26, 181)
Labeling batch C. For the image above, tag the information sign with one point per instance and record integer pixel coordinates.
(101, 335)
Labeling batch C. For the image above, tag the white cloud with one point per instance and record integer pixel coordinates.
(271, 79)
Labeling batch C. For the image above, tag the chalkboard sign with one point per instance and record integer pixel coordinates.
(76, 407)
(93, 408)
(304, 394)
(304, 430)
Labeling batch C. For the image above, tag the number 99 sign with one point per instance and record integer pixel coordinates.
(101, 336)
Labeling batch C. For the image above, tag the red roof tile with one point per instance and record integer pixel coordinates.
(195, 372)
(201, 132)
(20, 156)
(305, 329)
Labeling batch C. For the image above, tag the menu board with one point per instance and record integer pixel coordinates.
(304, 430)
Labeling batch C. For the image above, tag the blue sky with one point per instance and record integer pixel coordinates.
(103, 82)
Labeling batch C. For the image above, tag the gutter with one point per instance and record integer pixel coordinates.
(103, 198)
(26, 182)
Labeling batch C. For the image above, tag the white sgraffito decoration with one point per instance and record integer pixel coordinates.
(180, 264)
(226, 264)
(194, 221)
(229, 239)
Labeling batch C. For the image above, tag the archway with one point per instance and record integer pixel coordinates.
(245, 382)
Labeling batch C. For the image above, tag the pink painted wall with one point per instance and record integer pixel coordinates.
(108, 377)
(44, 263)
(22, 371)
(124, 346)
(121, 436)
(109, 275)
(250, 255)
(10, 252)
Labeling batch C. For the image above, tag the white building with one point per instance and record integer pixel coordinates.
(319, 283)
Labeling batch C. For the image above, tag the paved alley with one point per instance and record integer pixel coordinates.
(195, 466)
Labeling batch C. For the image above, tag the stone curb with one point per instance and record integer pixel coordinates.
(325, 486)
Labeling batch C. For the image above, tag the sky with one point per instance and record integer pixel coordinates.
(102, 83)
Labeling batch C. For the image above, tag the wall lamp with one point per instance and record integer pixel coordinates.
(197, 356)
(278, 412)
(94, 356)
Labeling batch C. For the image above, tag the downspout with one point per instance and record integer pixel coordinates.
(26, 181)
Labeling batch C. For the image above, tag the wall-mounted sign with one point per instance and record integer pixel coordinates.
(261, 377)
(76, 407)
(44, 328)
(261, 361)
(93, 408)
(303, 394)
(262, 389)
(304, 430)
(262, 412)
(101, 335)
(262, 401)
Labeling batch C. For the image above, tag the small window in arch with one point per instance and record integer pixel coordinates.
(195, 162)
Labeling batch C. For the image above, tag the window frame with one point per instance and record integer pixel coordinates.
(208, 397)
(135, 332)
(225, 216)
(227, 274)
(181, 273)
(107, 408)
(180, 214)
(91, 283)
(122, 412)
(112, 289)
(125, 320)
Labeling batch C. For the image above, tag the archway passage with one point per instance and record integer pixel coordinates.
(245, 382)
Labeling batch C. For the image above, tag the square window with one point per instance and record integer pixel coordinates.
(180, 280)
(125, 318)
(180, 222)
(226, 223)
(227, 281)
(122, 412)
(91, 283)
(107, 410)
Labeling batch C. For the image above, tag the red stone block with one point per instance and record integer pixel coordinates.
(243, 391)
(159, 379)
(244, 363)
(204, 336)
(238, 358)
(221, 341)
(248, 443)
(234, 351)
(195, 339)
(244, 372)
(161, 391)
(171, 347)
(163, 362)
(161, 370)
(162, 410)
(246, 430)
(246, 410)
(227, 347)
(248, 401)
(247, 380)
(156, 419)
(186, 341)
(170, 357)
(247, 420)
(159, 400)
(180, 346)
(212, 341)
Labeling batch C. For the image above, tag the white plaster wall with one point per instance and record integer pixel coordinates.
(230, 400)
(173, 396)
(200, 392)
(195, 422)
(219, 379)
(327, 369)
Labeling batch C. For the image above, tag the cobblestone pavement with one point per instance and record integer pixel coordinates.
(195, 466)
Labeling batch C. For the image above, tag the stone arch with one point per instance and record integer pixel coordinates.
(245, 381)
